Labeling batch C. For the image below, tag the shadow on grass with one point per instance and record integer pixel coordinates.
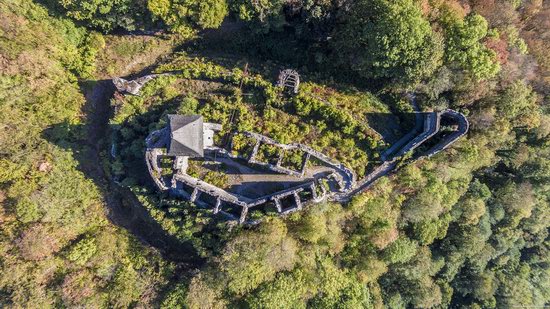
(236, 43)
(258, 189)
(90, 145)
(391, 126)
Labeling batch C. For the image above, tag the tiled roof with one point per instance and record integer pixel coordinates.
(186, 136)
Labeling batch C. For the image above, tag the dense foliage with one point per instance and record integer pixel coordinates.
(57, 247)
(465, 228)
(182, 15)
(104, 15)
(388, 39)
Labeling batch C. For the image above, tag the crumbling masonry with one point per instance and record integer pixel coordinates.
(192, 188)
(198, 191)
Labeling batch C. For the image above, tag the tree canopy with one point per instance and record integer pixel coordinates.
(388, 39)
(184, 15)
(80, 225)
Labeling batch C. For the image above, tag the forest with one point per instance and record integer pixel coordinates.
(466, 228)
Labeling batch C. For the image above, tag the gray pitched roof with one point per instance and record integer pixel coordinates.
(186, 136)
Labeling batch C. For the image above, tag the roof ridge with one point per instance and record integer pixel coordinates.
(186, 135)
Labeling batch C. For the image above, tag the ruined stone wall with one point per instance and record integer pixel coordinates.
(428, 124)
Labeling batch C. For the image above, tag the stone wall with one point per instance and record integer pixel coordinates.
(427, 125)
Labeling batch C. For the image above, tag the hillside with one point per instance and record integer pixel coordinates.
(82, 223)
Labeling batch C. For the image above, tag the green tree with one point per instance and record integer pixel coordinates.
(47, 204)
(82, 251)
(288, 290)
(401, 250)
(517, 200)
(388, 39)
(104, 15)
(255, 257)
(518, 103)
(183, 15)
(267, 13)
(465, 47)
(429, 230)
(414, 281)
(339, 288)
(311, 227)
(175, 298)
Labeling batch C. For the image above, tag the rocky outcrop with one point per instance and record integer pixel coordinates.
(134, 86)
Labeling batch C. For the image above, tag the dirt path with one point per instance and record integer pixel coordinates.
(123, 208)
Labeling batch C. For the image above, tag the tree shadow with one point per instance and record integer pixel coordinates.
(89, 143)
(391, 126)
(229, 166)
(262, 188)
(236, 43)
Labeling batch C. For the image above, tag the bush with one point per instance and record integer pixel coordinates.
(105, 15)
(400, 251)
(182, 16)
(82, 251)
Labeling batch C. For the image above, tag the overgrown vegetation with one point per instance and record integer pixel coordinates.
(466, 228)
(57, 246)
